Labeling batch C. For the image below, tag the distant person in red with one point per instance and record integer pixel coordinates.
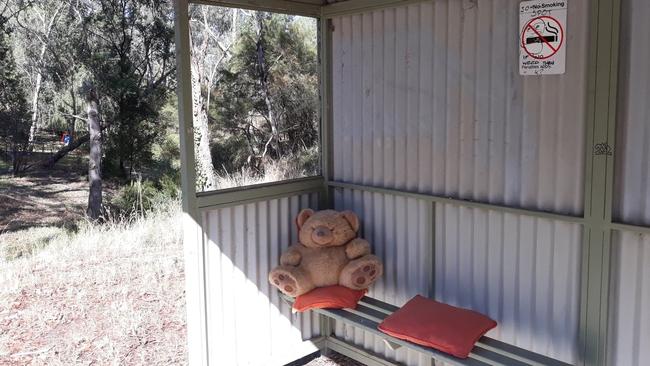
(66, 138)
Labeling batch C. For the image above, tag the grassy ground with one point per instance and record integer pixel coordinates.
(105, 295)
(75, 293)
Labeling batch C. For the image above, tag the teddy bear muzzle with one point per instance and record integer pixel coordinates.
(322, 235)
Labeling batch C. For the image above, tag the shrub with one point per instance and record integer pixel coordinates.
(137, 197)
(28, 242)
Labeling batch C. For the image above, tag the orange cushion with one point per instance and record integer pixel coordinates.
(330, 297)
(433, 324)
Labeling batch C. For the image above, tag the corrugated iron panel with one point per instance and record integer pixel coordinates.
(629, 327)
(630, 301)
(427, 97)
(632, 197)
(400, 232)
(243, 243)
(522, 271)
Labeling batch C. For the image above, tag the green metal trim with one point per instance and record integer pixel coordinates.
(461, 202)
(326, 130)
(197, 333)
(184, 92)
(431, 254)
(326, 77)
(275, 6)
(599, 178)
(359, 6)
(618, 226)
(256, 193)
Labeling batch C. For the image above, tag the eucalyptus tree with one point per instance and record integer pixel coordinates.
(269, 91)
(214, 32)
(126, 47)
(35, 28)
(13, 105)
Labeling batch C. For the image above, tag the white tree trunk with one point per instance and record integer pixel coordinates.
(205, 174)
(38, 83)
(37, 93)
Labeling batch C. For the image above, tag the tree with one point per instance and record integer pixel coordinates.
(213, 34)
(127, 47)
(269, 91)
(37, 26)
(13, 104)
(95, 154)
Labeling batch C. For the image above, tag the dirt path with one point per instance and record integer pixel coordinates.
(52, 199)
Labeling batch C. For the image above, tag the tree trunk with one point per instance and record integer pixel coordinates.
(39, 76)
(52, 160)
(37, 93)
(72, 121)
(94, 157)
(264, 77)
(205, 174)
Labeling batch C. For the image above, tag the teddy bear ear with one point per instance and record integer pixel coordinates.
(352, 218)
(303, 216)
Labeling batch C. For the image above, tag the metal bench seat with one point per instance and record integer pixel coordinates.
(487, 351)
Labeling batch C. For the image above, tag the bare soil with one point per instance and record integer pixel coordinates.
(333, 359)
(46, 198)
(42, 200)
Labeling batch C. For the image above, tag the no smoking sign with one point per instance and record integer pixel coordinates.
(542, 48)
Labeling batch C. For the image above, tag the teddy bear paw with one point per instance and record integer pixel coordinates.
(285, 282)
(361, 273)
(365, 275)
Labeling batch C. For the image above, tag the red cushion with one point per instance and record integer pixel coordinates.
(433, 324)
(331, 297)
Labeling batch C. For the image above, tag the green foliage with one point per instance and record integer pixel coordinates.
(128, 49)
(272, 79)
(138, 196)
(14, 123)
(142, 197)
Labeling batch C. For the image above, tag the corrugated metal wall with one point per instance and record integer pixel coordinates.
(400, 231)
(243, 244)
(630, 278)
(522, 271)
(630, 307)
(427, 98)
(632, 198)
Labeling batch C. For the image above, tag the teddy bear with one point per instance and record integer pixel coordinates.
(328, 253)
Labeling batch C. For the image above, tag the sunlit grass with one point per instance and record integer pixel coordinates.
(105, 294)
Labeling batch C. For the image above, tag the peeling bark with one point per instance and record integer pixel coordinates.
(205, 174)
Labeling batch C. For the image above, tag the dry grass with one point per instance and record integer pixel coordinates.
(287, 168)
(105, 295)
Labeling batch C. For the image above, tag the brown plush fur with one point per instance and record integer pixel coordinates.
(329, 253)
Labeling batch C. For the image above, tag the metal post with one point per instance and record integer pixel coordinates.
(599, 180)
(197, 337)
(325, 53)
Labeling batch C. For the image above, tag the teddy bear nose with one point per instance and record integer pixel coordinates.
(322, 235)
